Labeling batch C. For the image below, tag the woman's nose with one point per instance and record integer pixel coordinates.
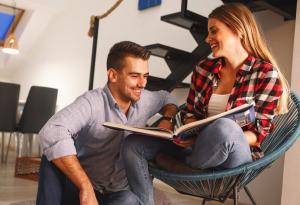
(207, 39)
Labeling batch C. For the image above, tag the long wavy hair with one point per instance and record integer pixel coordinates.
(242, 22)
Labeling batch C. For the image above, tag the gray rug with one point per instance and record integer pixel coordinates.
(28, 202)
(159, 198)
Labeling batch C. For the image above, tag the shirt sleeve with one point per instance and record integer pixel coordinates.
(167, 98)
(56, 136)
(153, 101)
(188, 110)
(268, 92)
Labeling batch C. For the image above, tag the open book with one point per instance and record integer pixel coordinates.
(242, 115)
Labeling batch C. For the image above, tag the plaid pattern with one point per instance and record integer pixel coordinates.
(256, 81)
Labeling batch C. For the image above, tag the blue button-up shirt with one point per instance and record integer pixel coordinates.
(78, 130)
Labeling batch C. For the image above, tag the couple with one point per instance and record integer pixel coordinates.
(87, 164)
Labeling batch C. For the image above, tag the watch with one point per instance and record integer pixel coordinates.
(170, 119)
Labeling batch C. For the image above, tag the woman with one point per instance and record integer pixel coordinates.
(242, 71)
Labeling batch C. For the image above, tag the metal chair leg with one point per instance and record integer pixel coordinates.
(2, 148)
(249, 195)
(8, 145)
(235, 195)
(18, 145)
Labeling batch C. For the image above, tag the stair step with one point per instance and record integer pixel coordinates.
(170, 53)
(186, 19)
(285, 8)
(156, 83)
(164, 51)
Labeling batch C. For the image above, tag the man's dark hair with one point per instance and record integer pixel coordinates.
(119, 51)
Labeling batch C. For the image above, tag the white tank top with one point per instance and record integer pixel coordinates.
(217, 103)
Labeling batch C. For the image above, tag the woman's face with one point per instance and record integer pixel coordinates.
(223, 42)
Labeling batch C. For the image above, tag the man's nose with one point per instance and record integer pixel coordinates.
(142, 82)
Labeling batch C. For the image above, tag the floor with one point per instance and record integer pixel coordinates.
(15, 191)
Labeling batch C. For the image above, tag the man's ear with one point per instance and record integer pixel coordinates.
(112, 75)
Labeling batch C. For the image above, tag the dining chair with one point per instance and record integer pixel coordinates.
(40, 105)
(9, 98)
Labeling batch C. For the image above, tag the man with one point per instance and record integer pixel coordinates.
(77, 145)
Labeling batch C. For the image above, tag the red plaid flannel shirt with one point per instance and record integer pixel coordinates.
(256, 81)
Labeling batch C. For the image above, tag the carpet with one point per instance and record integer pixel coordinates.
(27, 202)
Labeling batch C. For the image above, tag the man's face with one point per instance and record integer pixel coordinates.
(132, 79)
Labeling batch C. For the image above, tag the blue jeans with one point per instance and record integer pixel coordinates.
(56, 189)
(220, 144)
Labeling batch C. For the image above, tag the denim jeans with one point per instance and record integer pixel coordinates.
(220, 144)
(56, 189)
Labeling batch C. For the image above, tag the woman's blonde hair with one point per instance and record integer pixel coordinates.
(242, 22)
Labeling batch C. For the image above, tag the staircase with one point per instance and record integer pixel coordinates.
(182, 63)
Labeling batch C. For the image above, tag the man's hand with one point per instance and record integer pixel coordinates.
(166, 124)
(87, 196)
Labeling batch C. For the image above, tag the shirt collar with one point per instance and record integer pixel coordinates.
(246, 66)
(111, 100)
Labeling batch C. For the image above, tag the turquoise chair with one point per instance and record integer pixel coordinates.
(219, 185)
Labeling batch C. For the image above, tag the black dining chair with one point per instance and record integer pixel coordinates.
(40, 105)
(9, 98)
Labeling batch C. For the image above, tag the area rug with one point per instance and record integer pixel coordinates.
(27, 202)
(159, 198)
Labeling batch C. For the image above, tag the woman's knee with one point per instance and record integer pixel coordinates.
(226, 124)
(225, 130)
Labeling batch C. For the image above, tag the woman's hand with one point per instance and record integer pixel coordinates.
(185, 143)
(188, 120)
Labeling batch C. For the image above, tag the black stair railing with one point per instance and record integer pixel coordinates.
(285, 8)
(180, 63)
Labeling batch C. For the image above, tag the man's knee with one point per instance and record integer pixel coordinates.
(130, 198)
(134, 145)
(123, 197)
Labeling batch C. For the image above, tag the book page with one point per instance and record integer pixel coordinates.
(153, 131)
(207, 120)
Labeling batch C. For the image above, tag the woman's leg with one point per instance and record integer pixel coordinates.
(221, 144)
(137, 150)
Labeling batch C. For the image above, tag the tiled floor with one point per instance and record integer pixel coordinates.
(15, 190)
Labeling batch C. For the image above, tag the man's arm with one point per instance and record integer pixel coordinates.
(71, 167)
(58, 145)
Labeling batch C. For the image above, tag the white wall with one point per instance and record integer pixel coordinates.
(56, 52)
(291, 176)
(59, 56)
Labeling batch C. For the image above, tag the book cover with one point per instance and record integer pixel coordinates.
(242, 115)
